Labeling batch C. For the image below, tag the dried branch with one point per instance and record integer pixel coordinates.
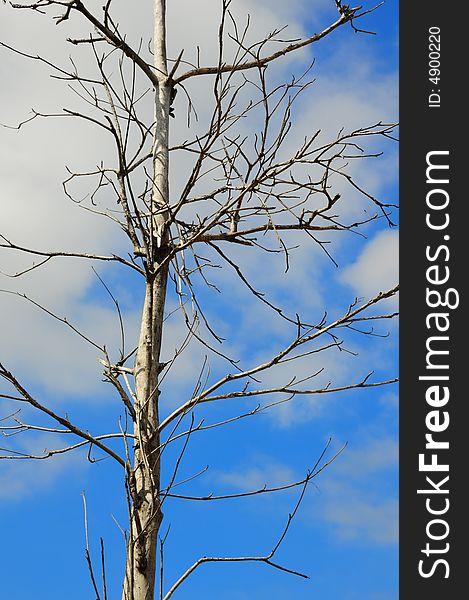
(296, 343)
(26, 397)
(53, 254)
(267, 559)
(87, 550)
(314, 472)
(242, 189)
(263, 62)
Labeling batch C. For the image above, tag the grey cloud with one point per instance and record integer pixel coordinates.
(35, 212)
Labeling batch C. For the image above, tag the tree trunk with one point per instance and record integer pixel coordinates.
(144, 482)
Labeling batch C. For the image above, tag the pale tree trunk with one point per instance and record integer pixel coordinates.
(144, 483)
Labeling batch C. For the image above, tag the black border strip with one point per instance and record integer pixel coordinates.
(433, 357)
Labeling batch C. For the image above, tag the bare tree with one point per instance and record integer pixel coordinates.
(243, 191)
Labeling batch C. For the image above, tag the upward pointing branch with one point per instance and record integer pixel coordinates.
(345, 17)
(118, 42)
(300, 340)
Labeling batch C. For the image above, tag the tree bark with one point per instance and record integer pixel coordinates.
(144, 481)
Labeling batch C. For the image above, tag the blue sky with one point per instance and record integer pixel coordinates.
(345, 534)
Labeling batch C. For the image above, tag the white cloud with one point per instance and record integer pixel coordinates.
(34, 211)
(22, 478)
(262, 471)
(376, 455)
(40, 348)
(353, 499)
(377, 268)
(339, 368)
(359, 518)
